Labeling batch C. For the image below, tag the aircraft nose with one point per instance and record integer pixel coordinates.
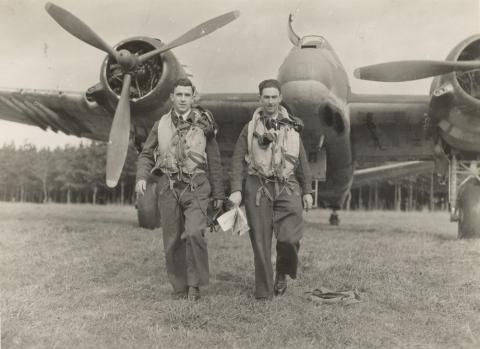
(306, 98)
(305, 92)
(319, 109)
(307, 66)
(304, 72)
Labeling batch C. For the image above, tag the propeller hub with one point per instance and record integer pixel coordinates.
(126, 59)
(145, 76)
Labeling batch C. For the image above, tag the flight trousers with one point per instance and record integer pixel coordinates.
(273, 208)
(183, 210)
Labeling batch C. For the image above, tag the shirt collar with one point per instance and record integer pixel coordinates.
(183, 116)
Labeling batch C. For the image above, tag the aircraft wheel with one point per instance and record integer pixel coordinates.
(334, 219)
(147, 207)
(469, 210)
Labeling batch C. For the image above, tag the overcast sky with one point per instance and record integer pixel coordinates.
(37, 53)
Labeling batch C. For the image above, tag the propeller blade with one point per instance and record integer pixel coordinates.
(411, 70)
(119, 135)
(77, 28)
(194, 34)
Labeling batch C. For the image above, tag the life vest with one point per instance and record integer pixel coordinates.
(181, 148)
(280, 157)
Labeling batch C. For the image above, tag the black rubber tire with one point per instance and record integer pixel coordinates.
(469, 210)
(147, 207)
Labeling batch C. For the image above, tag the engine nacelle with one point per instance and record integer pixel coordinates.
(456, 100)
(152, 80)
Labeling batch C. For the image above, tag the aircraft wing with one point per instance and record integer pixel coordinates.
(390, 128)
(69, 112)
(371, 175)
(384, 128)
(232, 111)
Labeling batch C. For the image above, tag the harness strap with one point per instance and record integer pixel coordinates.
(197, 158)
(262, 190)
(272, 159)
(287, 186)
(256, 134)
(192, 184)
(189, 180)
(169, 186)
(183, 192)
(291, 159)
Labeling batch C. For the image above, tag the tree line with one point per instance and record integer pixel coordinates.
(72, 174)
(76, 174)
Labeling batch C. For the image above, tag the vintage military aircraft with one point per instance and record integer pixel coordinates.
(340, 126)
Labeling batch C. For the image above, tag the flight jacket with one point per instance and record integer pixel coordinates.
(146, 162)
(303, 173)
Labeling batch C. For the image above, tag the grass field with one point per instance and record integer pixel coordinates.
(86, 276)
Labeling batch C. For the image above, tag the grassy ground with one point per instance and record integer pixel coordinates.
(85, 276)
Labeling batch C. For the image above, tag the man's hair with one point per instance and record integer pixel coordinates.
(269, 83)
(183, 82)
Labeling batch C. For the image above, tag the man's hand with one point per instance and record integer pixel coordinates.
(235, 198)
(307, 201)
(217, 204)
(140, 187)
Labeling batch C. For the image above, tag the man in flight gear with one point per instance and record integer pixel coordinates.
(270, 154)
(182, 152)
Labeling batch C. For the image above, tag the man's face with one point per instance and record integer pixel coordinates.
(270, 100)
(182, 99)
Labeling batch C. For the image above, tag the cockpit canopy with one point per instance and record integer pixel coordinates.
(308, 41)
(312, 41)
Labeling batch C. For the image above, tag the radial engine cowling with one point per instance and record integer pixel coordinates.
(456, 100)
(151, 81)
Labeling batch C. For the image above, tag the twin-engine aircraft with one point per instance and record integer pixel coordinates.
(341, 127)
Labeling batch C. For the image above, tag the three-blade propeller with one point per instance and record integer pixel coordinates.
(120, 130)
(412, 70)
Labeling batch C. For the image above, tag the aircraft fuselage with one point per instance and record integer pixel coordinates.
(315, 87)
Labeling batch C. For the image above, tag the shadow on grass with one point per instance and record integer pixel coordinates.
(228, 283)
(445, 237)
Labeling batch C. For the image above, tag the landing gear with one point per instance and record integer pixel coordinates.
(334, 219)
(147, 207)
(464, 196)
(469, 211)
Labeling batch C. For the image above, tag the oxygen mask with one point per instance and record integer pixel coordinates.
(265, 140)
(271, 123)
